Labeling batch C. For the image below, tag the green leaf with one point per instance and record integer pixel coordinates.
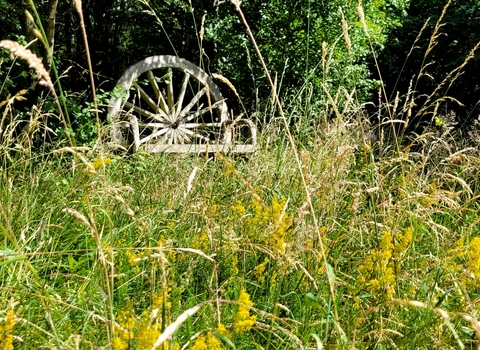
(224, 340)
(310, 296)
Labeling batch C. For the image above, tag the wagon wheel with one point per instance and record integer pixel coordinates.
(167, 103)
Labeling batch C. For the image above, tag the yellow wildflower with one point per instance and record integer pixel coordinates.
(119, 344)
(201, 241)
(272, 220)
(232, 261)
(211, 211)
(147, 332)
(171, 224)
(260, 216)
(260, 269)
(222, 330)
(157, 300)
(100, 162)
(243, 320)
(238, 210)
(273, 281)
(132, 259)
(207, 342)
(123, 332)
(473, 258)
(377, 271)
(229, 169)
(402, 241)
(6, 331)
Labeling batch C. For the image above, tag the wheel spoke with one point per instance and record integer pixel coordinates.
(192, 103)
(181, 95)
(179, 137)
(160, 118)
(170, 136)
(147, 98)
(158, 93)
(200, 125)
(202, 111)
(192, 125)
(170, 89)
(155, 134)
(201, 137)
(153, 125)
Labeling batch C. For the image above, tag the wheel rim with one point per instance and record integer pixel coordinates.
(167, 100)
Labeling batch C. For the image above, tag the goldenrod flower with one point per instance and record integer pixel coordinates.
(272, 220)
(243, 320)
(260, 269)
(238, 210)
(473, 259)
(123, 332)
(157, 300)
(119, 344)
(201, 241)
(377, 272)
(208, 342)
(100, 162)
(6, 331)
(222, 330)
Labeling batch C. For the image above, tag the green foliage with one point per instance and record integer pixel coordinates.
(291, 34)
(10, 13)
(84, 129)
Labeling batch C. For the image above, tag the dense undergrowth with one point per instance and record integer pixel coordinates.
(369, 240)
(101, 250)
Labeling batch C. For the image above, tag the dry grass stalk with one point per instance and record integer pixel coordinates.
(78, 5)
(361, 14)
(202, 28)
(409, 104)
(298, 162)
(226, 82)
(271, 328)
(345, 31)
(79, 216)
(438, 25)
(395, 103)
(239, 176)
(414, 43)
(190, 182)
(446, 315)
(18, 51)
(452, 76)
(209, 99)
(168, 332)
(29, 17)
(324, 55)
(195, 251)
(8, 103)
(332, 101)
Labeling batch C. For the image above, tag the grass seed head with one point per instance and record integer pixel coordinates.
(18, 51)
(345, 31)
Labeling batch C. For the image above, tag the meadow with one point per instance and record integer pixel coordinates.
(337, 233)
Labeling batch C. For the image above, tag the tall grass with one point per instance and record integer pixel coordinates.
(341, 239)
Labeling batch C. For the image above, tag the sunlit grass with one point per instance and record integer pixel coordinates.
(109, 250)
(338, 235)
